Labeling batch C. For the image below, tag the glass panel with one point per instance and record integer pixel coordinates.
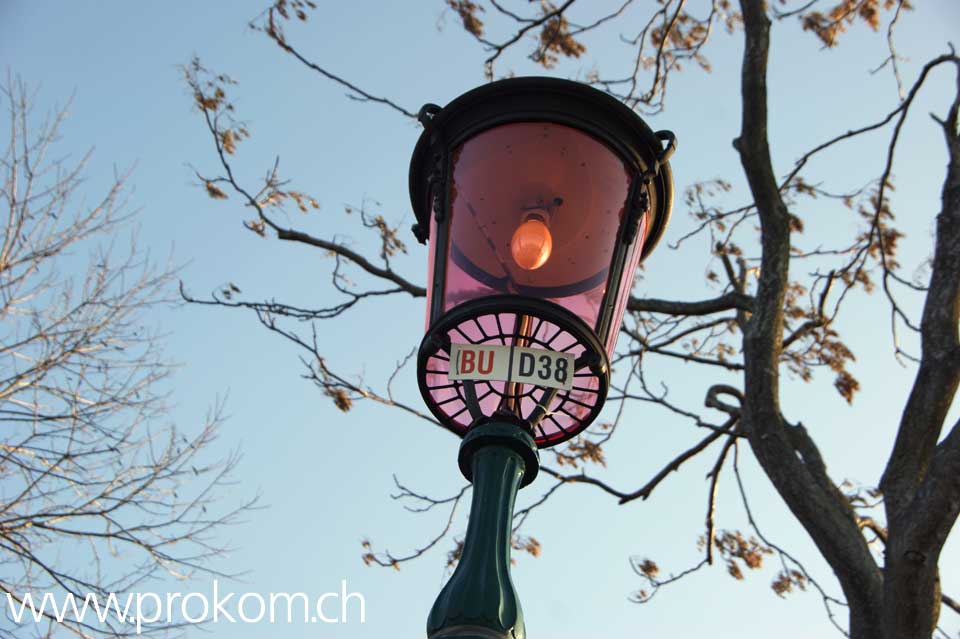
(535, 210)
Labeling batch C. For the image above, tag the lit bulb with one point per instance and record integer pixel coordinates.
(531, 244)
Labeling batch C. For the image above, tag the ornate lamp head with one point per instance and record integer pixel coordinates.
(539, 197)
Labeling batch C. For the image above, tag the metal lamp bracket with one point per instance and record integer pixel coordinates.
(639, 198)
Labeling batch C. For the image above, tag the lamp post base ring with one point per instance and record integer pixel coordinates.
(470, 632)
(499, 433)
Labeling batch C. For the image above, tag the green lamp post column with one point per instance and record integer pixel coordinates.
(479, 601)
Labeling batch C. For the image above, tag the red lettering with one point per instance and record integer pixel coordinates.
(489, 363)
(466, 362)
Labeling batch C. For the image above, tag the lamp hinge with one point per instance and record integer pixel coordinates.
(639, 198)
(435, 179)
(420, 233)
(436, 185)
(426, 114)
(639, 203)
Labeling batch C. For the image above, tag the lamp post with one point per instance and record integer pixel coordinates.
(538, 198)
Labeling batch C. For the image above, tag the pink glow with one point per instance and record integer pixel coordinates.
(506, 174)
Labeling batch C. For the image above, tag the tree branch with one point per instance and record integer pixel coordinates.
(938, 376)
(801, 481)
(726, 302)
(388, 274)
(275, 33)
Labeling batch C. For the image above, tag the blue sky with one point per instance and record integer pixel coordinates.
(326, 477)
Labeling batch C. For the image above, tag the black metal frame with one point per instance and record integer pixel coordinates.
(540, 99)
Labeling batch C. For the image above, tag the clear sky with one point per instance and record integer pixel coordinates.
(325, 477)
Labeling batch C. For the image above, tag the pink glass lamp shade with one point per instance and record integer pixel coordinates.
(541, 197)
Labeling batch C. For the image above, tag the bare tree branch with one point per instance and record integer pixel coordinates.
(727, 302)
(800, 481)
(86, 468)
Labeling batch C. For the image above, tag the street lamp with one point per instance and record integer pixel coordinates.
(539, 197)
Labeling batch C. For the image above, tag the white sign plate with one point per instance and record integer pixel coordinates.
(511, 364)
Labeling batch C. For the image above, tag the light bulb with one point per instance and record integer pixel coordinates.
(531, 244)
